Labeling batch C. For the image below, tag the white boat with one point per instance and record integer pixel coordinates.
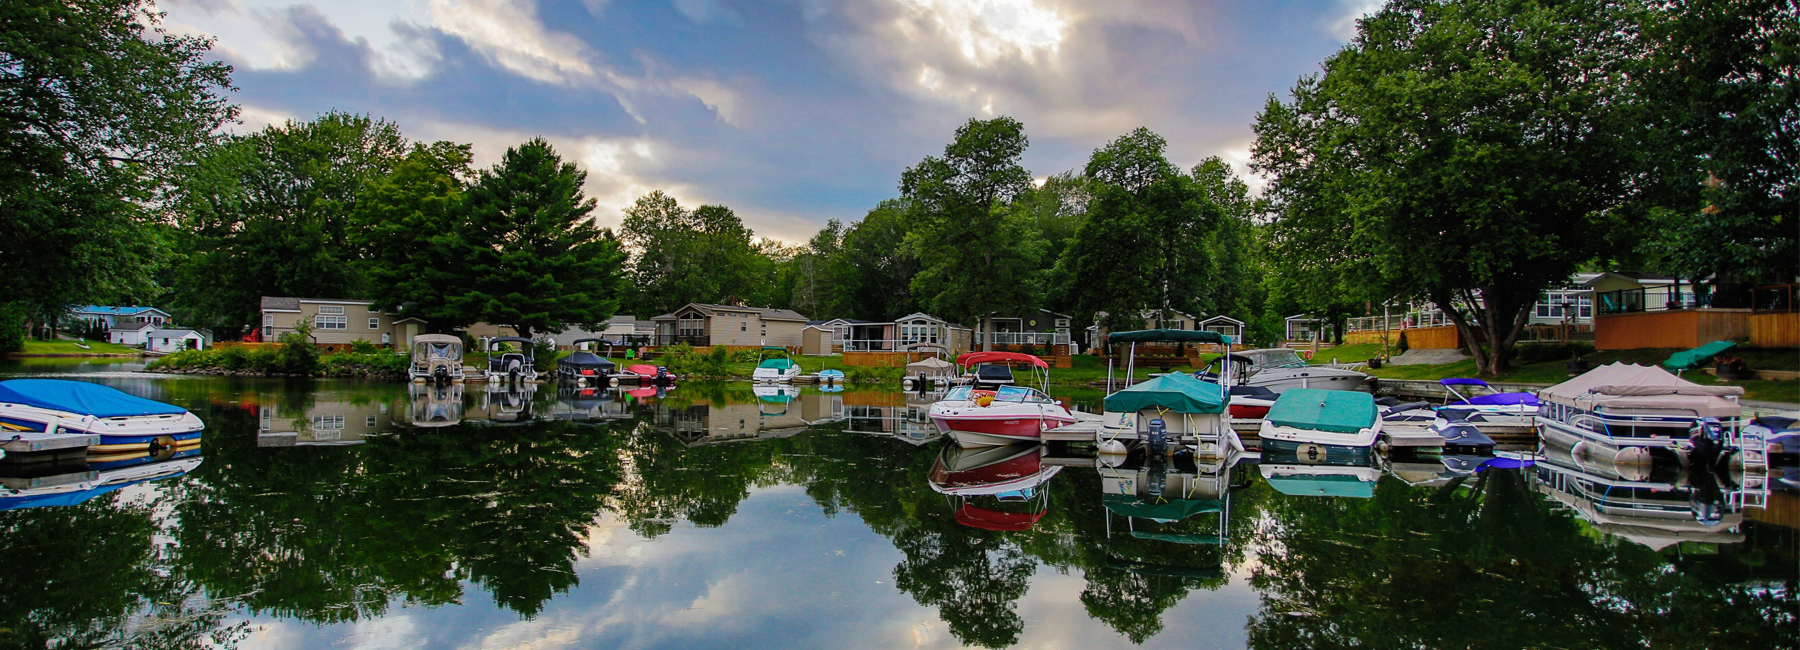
(125, 423)
(511, 365)
(1330, 418)
(976, 416)
(1281, 369)
(1628, 405)
(436, 358)
(775, 365)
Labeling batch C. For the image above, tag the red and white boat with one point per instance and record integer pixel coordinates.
(1004, 415)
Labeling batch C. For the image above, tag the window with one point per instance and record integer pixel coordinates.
(331, 309)
(370, 421)
(1062, 323)
(374, 323)
(324, 322)
(328, 422)
(743, 326)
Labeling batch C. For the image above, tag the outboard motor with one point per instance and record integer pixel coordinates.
(441, 375)
(662, 376)
(1707, 501)
(1708, 439)
(1157, 439)
(1158, 478)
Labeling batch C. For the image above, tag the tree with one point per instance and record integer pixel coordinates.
(976, 255)
(873, 276)
(1721, 93)
(533, 260)
(1236, 290)
(681, 256)
(407, 226)
(99, 106)
(269, 215)
(1473, 153)
(1147, 238)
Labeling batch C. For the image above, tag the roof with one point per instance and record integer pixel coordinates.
(121, 311)
(1620, 385)
(82, 398)
(1166, 336)
(1340, 411)
(846, 321)
(1038, 309)
(1221, 317)
(133, 326)
(277, 303)
(765, 313)
(1177, 392)
(1302, 317)
(176, 333)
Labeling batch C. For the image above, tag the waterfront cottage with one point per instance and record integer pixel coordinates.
(132, 334)
(1036, 327)
(115, 317)
(702, 324)
(339, 323)
(173, 340)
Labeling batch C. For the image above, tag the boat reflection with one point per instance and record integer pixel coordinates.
(435, 406)
(508, 403)
(1166, 495)
(70, 483)
(1655, 505)
(591, 404)
(994, 488)
(1313, 472)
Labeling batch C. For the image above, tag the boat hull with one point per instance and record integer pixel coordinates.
(973, 430)
(1277, 437)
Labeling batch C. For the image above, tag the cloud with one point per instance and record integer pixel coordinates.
(509, 34)
(1344, 27)
(709, 12)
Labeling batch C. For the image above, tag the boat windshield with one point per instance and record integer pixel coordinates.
(1019, 394)
(959, 393)
(1280, 359)
(437, 351)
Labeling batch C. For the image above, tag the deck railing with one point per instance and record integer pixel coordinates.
(1029, 338)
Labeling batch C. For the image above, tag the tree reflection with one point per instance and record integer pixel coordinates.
(1490, 564)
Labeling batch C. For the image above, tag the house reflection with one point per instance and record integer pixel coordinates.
(329, 419)
(776, 412)
(905, 416)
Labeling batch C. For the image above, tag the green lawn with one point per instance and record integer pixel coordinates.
(60, 346)
(1551, 372)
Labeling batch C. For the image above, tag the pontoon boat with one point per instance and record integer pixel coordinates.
(436, 358)
(510, 360)
(1628, 405)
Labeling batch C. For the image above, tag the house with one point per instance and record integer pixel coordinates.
(703, 324)
(339, 323)
(173, 340)
(1305, 327)
(132, 334)
(618, 329)
(116, 316)
(839, 329)
(1162, 319)
(1230, 327)
(907, 331)
(1036, 327)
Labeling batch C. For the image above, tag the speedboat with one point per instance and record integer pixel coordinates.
(1328, 418)
(125, 423)
(644, 374)
(775, 365)
(436, 358)
(1280, 369)
(583, 365)
(996, 488)
(509, 365)
(1251, 402)
(1627, 405)
(1778, 434)
(1007, 415)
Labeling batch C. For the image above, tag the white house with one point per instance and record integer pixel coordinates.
(1306, 327)
(1226, 325)
(174, 340)
(132, 334)
(115, 317)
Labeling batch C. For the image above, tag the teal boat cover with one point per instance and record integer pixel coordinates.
(1171, 510)
(778, 364)
(1178, 392)
(1323, 485)
(1178, 538)
(1337, 411)
(81, 398)
(1690, 359)
(1166, 336)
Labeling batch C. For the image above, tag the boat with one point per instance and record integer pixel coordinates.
(644, 374)
(1330, 419)
(775, 365)
(1175, 407)
(1251, 402)
(1309, 473)
(436, 358)
(975, 416)
(1778, 434)
(994, 488)
(125, 423)
(832, 379)
(511, 366)
(1627, 405)
(584, 366)
(929, 373)
(1279, 370)
(77, 483)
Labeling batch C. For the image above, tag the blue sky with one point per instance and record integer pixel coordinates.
(789, 111)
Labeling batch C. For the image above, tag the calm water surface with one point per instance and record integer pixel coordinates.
(375, 515)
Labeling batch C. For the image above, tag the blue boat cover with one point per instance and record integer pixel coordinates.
(82, 398)
(1462, 381)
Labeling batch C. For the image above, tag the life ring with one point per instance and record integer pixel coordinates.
(1307, 354)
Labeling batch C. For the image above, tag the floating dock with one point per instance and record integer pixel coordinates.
(32, 442)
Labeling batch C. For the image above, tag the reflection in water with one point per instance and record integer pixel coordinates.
(455, 516)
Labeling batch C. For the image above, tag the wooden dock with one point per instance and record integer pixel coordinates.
(32, 442)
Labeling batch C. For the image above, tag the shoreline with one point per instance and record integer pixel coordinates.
(71, 355)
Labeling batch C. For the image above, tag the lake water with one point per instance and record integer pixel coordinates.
(377, 515)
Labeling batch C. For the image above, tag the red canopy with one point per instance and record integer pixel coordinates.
(972, 358)
(986, 519)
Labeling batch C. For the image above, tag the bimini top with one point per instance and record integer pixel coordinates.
(437, 338)
(1463, 381)
(1620, 385)
(1338, 411)
(82, 398)
(1177, 392)
(930, 366)
(972, 358)
(1166, 336)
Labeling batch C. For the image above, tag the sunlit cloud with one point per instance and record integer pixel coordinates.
(986, 30)
(508, 33)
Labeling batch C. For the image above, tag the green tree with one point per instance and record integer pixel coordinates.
(269, 215)
(1721, 93)
(977, 255)
(533, 259)
(1237, 289)
(1470, 152)
(873, 276)
(681, 256)
(407, 224)
(99, 106)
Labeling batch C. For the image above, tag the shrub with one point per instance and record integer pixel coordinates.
(297, 355)
(363, 346)
(872, 374)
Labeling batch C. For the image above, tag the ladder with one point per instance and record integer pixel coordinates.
(1753, 455)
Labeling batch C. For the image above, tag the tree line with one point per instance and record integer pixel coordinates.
(1469, 154)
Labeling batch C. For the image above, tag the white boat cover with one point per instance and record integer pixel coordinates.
(1620, 386)
(931, 367)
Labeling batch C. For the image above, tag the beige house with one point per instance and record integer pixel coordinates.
(704, 324)
(339, 323)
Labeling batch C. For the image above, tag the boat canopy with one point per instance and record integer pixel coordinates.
(1338, 411)
(1166, 336)
(930, 366)
(1463, 381)
(1178, 392)
(1688, 359)
(585, 359)
(525, 345)
(1323, 485)
(81, 397)
(1167, 511)
(1622, 385)
(972, 358)
(777, 364)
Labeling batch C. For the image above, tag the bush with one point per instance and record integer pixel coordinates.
(297, 355)
(363, 346)
(872, 374)
(683, 360)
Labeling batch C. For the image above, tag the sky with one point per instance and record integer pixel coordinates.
(791, 112)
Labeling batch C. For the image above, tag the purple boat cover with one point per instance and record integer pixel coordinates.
(1462, 381)
(1504, 399)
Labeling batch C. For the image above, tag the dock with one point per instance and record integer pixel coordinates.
(33, 442)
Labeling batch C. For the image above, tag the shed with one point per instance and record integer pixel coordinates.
(174, 340)
(816, 340)
(1226, 325)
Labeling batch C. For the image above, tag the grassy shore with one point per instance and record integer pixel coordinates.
(1556, 371)
(66, 347)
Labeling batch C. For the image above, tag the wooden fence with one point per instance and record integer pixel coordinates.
(1682, 328)
(1434, 338)
(1775, 330)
